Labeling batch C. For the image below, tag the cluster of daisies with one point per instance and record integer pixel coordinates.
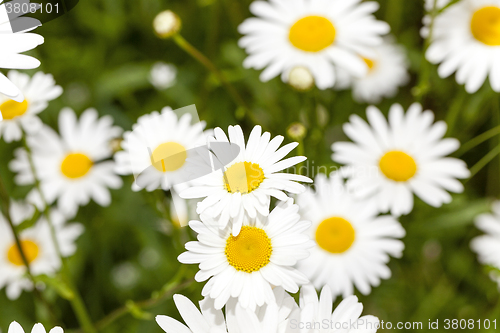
(261, 234)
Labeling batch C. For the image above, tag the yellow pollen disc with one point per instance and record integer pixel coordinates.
(370, 63)
(335, 235)
(485, 25)
(169, 156)
(30, 250)
(12, 109)
(312, 33)
(243, 177)
(250, 250)
(76, 165)
(398, 166)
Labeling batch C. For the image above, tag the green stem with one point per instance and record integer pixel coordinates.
(423, 86)
(118, 313)
(478, 140)
(5, 199)
(484, 161)
(201, 58)
(76, 301)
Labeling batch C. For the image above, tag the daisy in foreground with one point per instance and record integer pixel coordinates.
(353, 243)
(161, 140)
(248, 182)
(344, 318)
(247, 266)
(466, 39)
(38, 328)
(319, 35)
(73, 167)
(272, 318)
(387, 71)
(391, 161)
(487, 246)
(37, 246)
(12, 45)
(38, 91)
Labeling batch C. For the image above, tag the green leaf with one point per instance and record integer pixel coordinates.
(29, 222)
(137, 312)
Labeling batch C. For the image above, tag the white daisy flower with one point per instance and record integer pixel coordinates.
(37, 246)
(38, 328)
(248, 265)
(391, 161)
(74, 167)
(249, 181)
(162, 75)
(466, 40)
(344, 318)
(487, 246)
(320, 35)
(12, 45)
(388, 70)
(38, 91)
(266, 319)
(353, 243)
(153, 138)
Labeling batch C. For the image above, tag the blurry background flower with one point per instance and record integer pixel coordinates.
(22, 117)
(162, 75)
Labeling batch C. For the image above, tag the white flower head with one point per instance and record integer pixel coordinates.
(346, 317)
(389, 161)
(487, 246)
(387, 71)
(37, 328)
(248, 265)
(300, 78)
(37, 246)
(466, 40)
(73, 167)
(158, 149)
(352, 243)
(320, 35)
(246, 185)
(271, 318)
(12, 45)
(17, 117)
(162, 75)
(166, 24)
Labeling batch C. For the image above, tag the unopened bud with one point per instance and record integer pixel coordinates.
(167, 24)
(296, 131)
(301, 78)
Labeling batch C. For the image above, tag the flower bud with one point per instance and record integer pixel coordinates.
(167, 24)
(301, 78)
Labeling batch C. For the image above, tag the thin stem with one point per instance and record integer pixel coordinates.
(118, 313)
(423, 85)
(484, 161)
(201, 58)
(76, 301)
(478, 140)
(5, 199)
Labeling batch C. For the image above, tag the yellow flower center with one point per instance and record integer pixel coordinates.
(76, 165)
(485, 25)
(243, 177)
(335, 235)
(11, 109)
(398, 166)
(30, 250)
(250, 250)
(312, 33)
(169, 156)
(370, 63)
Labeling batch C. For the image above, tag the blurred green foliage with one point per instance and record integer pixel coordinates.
(101, 53)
